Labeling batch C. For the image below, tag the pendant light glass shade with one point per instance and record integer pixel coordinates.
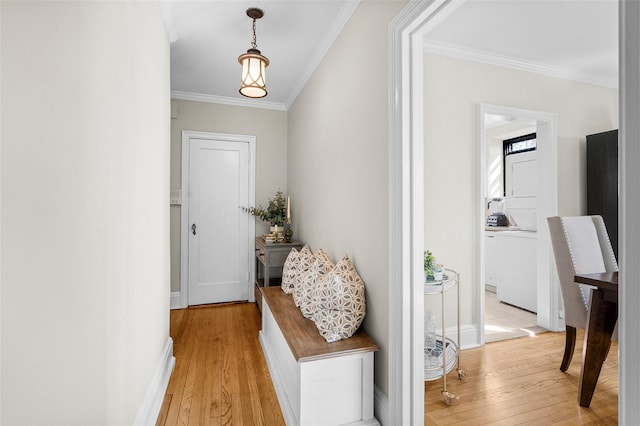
(253, 81)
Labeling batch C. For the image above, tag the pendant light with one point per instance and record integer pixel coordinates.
(252, 83)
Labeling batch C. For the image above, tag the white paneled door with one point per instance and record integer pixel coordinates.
(218, 229)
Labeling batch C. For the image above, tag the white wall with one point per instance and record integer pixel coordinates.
(453, 90)
(338, 161)
(85, 217)
(270, 129)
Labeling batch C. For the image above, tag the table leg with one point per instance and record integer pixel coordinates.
(266, 275)
(603, 315)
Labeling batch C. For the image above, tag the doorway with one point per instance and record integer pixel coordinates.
(514, 121)
(217, 239)
(510, 243)
(406, 114)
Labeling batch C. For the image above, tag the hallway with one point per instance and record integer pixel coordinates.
(220, 377)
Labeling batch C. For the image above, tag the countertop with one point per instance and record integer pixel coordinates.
(512, 232)
(501, 228)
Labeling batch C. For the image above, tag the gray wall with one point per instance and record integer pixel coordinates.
(270, 129)
(338, 161)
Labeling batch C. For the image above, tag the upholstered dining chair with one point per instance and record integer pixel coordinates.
(580, 246)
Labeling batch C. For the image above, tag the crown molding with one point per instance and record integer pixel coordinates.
(348, 8)
(225, 100)
(485, 57)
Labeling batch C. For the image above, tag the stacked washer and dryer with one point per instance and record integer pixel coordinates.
(511, 240)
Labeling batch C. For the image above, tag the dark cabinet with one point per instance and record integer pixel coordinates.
(602, 181)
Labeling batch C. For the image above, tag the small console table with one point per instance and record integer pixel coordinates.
(269, 256)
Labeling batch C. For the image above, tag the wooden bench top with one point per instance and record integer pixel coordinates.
(301, 334)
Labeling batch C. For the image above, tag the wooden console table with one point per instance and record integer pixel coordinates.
(603, 314)
(270, 256)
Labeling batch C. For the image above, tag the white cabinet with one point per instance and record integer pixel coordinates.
(491, 260)
(517, 277)
(317, 383)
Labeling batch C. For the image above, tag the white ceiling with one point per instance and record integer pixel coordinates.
(575, 39)
(208, 36)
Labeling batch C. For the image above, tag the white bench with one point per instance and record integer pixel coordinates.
(317, 383)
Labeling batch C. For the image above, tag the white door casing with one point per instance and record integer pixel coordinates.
(217, 177)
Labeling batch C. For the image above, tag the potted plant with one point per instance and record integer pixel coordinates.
(275, 213)
(429, 265)
(432, 271)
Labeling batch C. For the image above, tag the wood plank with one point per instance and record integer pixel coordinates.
(215, 366)
(198, 413)
(519, 382)
(188, 390)
(183, 351)
(221, 376)
(509, 382)
(302, 335)
(231, 409)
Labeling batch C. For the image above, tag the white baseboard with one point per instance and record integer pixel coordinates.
(469, 336)
(175, 302)
(152, 403)
(380, 406)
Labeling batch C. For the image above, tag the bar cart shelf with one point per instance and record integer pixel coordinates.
(448, 355)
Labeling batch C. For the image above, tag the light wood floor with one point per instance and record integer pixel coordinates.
(221, 378)
(519, 381)
(503, 321)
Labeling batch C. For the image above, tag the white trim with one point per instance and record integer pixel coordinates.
(184, 207)
(629, 237)
(175, 301)
(225, 100)
(547, 281)
(468, 337)
(469, 54)
(380, 406)
(153, 398)
(321, 49)
(406, 207)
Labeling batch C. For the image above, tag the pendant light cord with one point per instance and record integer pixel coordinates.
(253, 43)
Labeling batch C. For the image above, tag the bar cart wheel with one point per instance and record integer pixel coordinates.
(462, 374)
(449, 397)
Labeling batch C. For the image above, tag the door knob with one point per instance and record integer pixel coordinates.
(193, 229)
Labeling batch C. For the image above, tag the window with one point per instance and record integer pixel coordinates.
(519, 144)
